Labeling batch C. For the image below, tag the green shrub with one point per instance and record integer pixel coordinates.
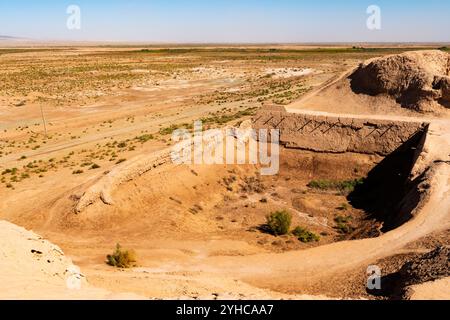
(279, 222)
(304, 235)
(121, 258)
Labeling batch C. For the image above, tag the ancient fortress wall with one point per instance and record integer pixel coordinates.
(336, 134)
(305, 131)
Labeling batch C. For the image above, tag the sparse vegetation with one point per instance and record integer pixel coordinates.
(144, 138)
(220, 119)
(169, 130)
(346, 186)
(343, 224)
(122, 258)
(304, 235)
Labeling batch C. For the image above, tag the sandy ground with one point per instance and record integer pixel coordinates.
(33, 268)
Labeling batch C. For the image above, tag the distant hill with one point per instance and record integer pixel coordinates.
(2, 37)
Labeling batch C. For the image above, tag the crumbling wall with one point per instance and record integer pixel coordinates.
(124, 172)
(104, 187)
(336, 134)
(412, 78)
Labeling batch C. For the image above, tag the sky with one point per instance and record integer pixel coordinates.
(227, 21)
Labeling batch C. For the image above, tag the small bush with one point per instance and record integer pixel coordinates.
(121, 258)
(279, 222)
(341, 219)
(304, 235)
(168, 130)
(24, 176)
(95, 166)
(343, 224)
(78, 172)
(344, 228)
(144, 138)
(12, 171)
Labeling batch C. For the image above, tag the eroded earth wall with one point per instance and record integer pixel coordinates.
(336, 134)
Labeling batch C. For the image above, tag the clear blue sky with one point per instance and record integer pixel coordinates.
(228, 20)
